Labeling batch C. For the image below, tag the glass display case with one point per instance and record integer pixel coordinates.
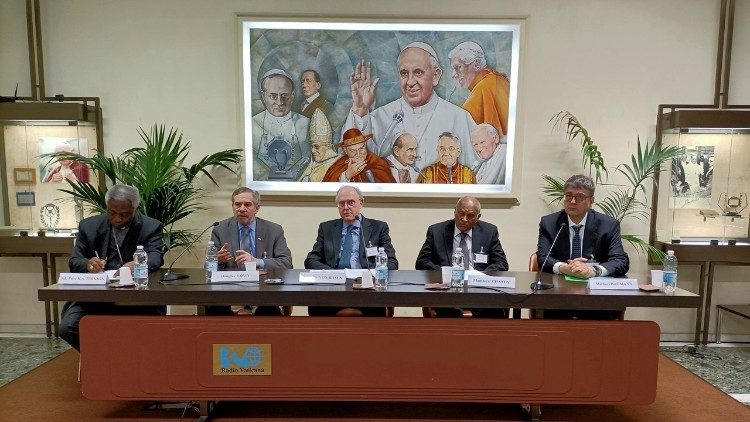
(31, 183)
(702, 196)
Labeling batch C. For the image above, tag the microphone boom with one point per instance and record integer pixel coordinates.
(169, 275)
(538, 285)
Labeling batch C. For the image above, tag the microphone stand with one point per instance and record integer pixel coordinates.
(538, 285)
(169, 275)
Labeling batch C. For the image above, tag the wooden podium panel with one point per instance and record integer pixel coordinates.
(370, 359)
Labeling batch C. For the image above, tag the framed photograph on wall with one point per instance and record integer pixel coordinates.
(24, 176)
(401, 107)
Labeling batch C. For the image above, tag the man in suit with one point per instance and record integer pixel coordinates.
(108, 242)
(588, 245)
(478, 241)
(310, 83)
(350, 242)
(245, 238)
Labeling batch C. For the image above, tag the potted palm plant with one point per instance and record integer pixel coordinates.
(623, 201)
(167, 187)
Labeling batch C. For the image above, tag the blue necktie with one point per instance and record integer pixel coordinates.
(576, 252)
(346, 250)
(246, 240)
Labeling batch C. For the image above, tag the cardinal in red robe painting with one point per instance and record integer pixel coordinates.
(358, 165)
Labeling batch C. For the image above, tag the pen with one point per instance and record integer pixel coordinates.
(97, 254)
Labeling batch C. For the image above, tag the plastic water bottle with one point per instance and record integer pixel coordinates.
(212, 260)
(670, 273)
(457, 272)
(140, 272)
(381, 269)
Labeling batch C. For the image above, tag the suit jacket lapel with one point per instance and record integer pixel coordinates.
(336, 244)
(448, 240)
(562, 247)
(103, 232)
(261, 236)
(364, 234)
(477, 239)
(590, 234)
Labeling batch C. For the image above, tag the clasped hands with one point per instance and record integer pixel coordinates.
(578, 267)
(240, 257)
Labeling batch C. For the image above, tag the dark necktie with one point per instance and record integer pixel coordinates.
(403, 176)
(576, 252)
(464, 250)
(346, 250)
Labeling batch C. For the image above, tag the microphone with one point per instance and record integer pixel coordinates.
(370, 176)
(117, 246)
(398, 117)
(364, 249)
(169, 275)
(538, 285)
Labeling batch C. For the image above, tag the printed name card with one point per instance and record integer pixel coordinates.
(608, 283)
(323, 277)
(483, 280)
(83, 278)
(234, 276)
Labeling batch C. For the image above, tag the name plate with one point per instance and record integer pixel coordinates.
(99, 279)
(483, 280)
(323, 277)
(607, 283)
(234, 276)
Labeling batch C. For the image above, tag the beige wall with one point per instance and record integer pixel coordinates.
(176, 62)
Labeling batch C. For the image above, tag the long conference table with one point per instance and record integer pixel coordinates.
(469, 360)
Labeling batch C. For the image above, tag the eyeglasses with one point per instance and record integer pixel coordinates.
(569, 197)
(350, 203)
(273, 96)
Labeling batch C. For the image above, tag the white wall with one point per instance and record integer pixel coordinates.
(176, 62)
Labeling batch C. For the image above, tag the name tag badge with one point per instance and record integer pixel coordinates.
(234, 276)
(371, 251)
(480, 258)
(608, 283)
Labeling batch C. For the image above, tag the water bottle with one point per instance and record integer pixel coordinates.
(381, 269)
(140, 271)
(457, 272)
(670, 273)
(212, 260)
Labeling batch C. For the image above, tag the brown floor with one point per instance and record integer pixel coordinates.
(52, 393)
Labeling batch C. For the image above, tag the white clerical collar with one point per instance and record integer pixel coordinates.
(280, 120)
(427, 108)
(397, 164)
(312, 98)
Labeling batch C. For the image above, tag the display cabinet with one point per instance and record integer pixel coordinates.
(31, 183)
(700, 203)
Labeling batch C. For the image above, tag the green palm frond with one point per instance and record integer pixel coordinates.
(653, 254)
(554, 188)
(621, 205)
(592, 157)
(167, 188)
(645, 162)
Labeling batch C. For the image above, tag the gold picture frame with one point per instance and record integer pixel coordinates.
(24, 176)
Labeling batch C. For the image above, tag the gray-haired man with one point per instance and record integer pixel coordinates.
(108, 242)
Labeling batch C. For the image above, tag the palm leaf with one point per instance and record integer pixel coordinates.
(654, 254)
(591, 156)
(621, 205)
(157, 170)
(645, 162)
(554, 188)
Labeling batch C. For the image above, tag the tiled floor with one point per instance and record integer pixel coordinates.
(726, 366)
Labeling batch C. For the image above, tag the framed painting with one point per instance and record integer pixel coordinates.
(400, 107)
